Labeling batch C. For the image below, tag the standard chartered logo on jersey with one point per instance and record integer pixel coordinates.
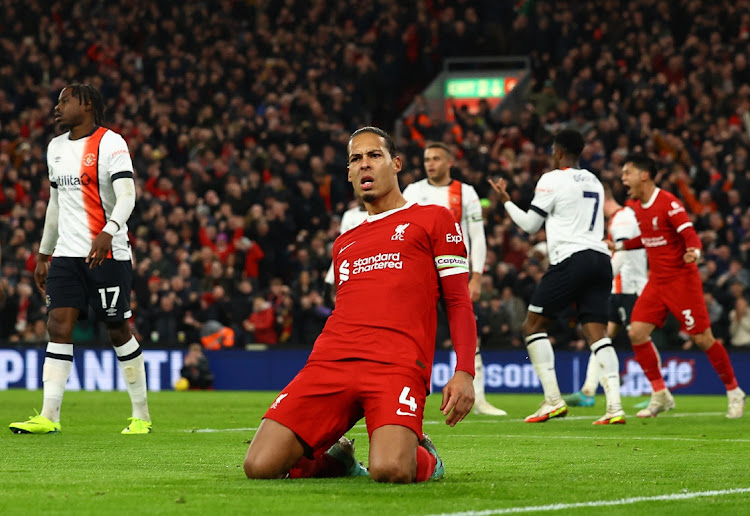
(376, 262)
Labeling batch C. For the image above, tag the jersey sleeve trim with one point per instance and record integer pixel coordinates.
(53, 184)
(539, 211)
(683, 226)
(120, 175)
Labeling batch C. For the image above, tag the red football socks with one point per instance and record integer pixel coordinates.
(425, 464)
(719, 358)
(646, 356)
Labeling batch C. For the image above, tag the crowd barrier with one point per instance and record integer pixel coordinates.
(505, 371)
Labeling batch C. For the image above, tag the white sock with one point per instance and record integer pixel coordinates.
(591, 383)
(133, 369)
(478, 379)
(57, 364)
(609, 368)
(543, 359)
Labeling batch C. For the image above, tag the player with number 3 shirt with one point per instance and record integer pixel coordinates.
(674, 285)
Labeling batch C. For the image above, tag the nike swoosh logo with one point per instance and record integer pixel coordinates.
(347, 245)
(400, 412)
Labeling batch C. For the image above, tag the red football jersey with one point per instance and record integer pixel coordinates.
(387, 274)
(661, 220)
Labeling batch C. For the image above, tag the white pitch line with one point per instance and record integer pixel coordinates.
(600, 503)
(216, 430)
(591, 437)
(503, 419)
(515, 436)
(493, 421)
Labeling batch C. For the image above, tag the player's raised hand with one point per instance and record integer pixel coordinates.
(501, 187)
(458, 397)
(100, 248)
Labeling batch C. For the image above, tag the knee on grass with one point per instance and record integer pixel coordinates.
(392, 472)
(260, 469)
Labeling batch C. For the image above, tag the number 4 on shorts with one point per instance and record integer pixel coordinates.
(407, 400)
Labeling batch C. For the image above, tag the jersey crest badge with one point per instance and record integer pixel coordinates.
(89, 159)
(655, 223)
(400, 229)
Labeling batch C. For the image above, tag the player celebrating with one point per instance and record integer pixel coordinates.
(630, 271)
(92, 195)
(374, 356)
(674, 285)
(570, 199)
(463, 202)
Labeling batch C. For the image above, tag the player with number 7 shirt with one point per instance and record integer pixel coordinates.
(374, 356)
(569, 200)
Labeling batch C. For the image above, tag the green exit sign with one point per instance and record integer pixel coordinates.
(477, 88)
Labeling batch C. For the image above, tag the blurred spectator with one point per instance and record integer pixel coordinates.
(215, 336)
(515, 307)
(496, 332)
(310, 317)
(262, 322)
(22, 314)
(196, 369)
(739, 323)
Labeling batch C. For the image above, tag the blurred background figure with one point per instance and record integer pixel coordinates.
(196, 372)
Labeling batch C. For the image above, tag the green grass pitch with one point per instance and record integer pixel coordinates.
(689, 461)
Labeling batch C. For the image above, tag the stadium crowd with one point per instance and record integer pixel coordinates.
(237, 115)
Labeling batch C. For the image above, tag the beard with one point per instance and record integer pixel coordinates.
(368, 197)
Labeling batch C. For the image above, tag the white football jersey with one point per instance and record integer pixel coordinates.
(472, 223)
(572, 202)
(633, 273)
(351, 218)
(84, 191)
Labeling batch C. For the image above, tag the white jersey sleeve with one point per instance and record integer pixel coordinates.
(472, 223)
(351, 218)
(633, 269)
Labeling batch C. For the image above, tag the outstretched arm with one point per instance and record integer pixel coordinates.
(530, 221)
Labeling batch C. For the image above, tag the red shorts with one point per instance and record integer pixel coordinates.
(683, 297)
(326, 399)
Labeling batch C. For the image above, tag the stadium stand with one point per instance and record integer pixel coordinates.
(237, 115)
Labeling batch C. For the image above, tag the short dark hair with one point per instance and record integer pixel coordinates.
(86, 93)
(389, 143)
(642, 162)
(570, 141)
(439, 145)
